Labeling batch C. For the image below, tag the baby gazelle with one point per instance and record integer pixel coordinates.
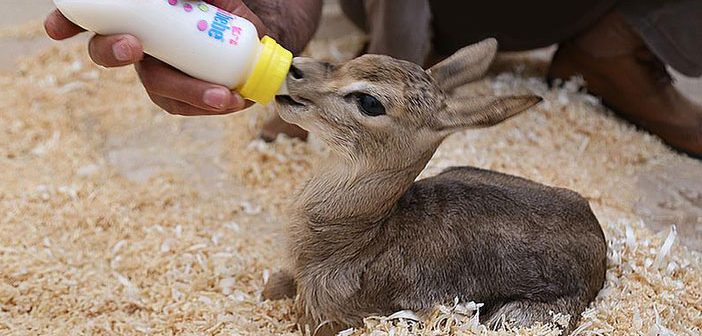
(365, 239)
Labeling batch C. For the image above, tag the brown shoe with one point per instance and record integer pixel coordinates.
(275, 126)
(618, 67)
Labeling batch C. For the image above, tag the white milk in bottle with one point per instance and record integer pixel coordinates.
(197, 38)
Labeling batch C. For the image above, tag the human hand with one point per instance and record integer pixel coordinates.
(172, 90)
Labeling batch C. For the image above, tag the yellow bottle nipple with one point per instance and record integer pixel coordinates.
(268, 74)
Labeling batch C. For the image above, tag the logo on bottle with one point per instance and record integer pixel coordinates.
(220, 28)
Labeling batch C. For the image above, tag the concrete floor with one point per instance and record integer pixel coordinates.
(671, 194)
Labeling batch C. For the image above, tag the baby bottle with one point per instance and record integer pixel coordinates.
(197, 38)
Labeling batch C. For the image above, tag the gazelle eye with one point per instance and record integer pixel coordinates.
(369, 105)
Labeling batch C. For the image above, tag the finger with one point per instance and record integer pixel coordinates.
(162, 80)
(58, 27)
(238, 8)
(115, 50)
(176, 107)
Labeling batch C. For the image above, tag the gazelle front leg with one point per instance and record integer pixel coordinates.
(312, 327)
(281, 285)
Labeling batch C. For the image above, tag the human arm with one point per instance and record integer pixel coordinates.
(169, 88)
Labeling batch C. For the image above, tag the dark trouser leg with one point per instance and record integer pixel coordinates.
(517, 25)
(672, 29)
(404, 29)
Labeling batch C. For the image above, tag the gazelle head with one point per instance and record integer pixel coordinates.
(381, 110)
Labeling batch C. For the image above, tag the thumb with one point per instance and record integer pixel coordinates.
(239, 8)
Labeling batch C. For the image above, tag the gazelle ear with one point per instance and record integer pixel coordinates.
(465, 65)
(481, 111)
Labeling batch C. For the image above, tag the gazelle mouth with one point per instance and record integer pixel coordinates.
(288, 100)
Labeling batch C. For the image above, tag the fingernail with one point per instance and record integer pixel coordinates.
(122, 51)
(236, 102)
(216, 98)
(50, 27)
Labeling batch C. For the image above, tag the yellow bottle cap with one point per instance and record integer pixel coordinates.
(269, 72)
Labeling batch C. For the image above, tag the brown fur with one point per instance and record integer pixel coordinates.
(366, 239)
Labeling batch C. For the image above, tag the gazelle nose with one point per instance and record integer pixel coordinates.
(296, 73)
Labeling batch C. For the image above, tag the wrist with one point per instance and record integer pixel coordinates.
(292, 23)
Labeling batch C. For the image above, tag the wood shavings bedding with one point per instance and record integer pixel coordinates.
(86, 251)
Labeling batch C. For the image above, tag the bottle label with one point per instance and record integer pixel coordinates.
(221, 26)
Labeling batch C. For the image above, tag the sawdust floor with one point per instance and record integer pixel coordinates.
(116, 218)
